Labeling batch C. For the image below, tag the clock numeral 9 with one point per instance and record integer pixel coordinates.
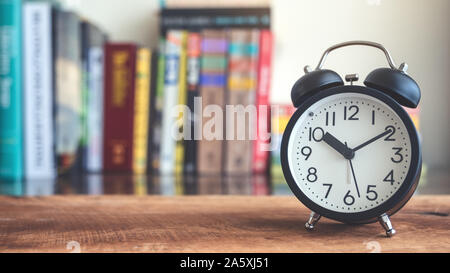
(312, 175)
(397, 153)
(389, 137)
(349, 199)
(374, 193)
(306, 151)
(316, 134)
(351, 108)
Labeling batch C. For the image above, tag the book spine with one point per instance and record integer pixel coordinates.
(193, 77)
(38, 91)
(141, 111)
(188, 18)
(242, 81)
(171, 86)
(182, 100)
(214, 46)
(11, 153)
(260, 147)
(67, 90)
(156, 118)
(120, 71)
(94, 159)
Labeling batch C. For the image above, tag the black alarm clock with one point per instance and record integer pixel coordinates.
(351, 153)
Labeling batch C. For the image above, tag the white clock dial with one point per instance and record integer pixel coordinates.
(325, 176)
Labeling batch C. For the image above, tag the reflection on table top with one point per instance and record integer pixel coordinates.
(107, 184)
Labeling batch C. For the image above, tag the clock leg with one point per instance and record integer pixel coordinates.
(312, 221)
(387, 225)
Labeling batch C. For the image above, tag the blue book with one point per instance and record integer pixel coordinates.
(11, 161)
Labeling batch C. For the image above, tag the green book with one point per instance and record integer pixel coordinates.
(11, 161)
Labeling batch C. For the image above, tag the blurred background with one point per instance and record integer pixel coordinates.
(87, 84)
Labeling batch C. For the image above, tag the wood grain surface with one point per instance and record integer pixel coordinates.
(208, 224)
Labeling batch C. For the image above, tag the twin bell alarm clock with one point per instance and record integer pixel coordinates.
(351, 152)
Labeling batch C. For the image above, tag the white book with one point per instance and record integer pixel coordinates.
(172, 63)
(95, 110)
(38, 91)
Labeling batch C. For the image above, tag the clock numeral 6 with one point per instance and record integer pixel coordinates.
(397, 153)
(312, 175)
(374, 193)
(349, 199)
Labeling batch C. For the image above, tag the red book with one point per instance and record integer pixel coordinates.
(261, 145)
(120, 71)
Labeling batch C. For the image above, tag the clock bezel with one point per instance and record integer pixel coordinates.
(398, 199)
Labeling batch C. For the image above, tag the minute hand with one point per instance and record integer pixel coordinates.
(372, 140)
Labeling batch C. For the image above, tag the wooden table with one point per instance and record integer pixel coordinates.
(208, 224)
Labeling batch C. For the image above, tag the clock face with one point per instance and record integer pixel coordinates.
(349, 152)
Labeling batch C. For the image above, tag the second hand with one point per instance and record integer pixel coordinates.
(354, 177)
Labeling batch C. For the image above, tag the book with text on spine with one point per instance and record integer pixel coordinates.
(39, 150)
(119, 101)
(173, 48)
(214, 48)
(11, 127)
(261, 149)
(193, 77)
(141, 110)
(242, 82)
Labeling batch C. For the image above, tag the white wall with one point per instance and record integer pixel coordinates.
(415, 31)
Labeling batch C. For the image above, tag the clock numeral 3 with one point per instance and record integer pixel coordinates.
(352, 116)
(312, 175)
(397, 153)
(349, 199)
(390, 178)
(374, 193)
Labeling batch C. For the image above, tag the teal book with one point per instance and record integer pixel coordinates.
(11, 161)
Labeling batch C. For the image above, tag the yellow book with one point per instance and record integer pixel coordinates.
(141, 110)
(182, 100)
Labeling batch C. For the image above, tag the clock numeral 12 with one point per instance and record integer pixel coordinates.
(351, 108)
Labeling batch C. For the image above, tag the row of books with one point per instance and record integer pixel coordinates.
(221, 58)
(73, 102)
(51, 80)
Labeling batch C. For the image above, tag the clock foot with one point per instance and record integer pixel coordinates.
(387, 225)
(312, 221)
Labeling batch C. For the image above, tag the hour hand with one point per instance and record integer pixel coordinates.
(338, 146)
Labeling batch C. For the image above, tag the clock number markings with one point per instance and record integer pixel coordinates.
(347, 197)
(333, 118)
(306, 151)
(312, 175)
(397, 153)
(351, 108)
(373, 117)
(374, 193)
(313, 135)
(328, 190)
(389, 137)
(390, 178)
